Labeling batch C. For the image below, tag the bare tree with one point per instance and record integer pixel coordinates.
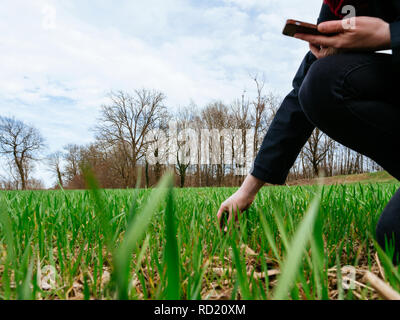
(54, 162)
(126, 122)
(240, 119)
(158, 147)
(186, 121)
(8, 183)
(216, 117)
(21, 144)
(181, 167)
(72, 158)
(316, 150)
(259, 109)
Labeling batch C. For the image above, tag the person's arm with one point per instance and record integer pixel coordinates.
(290, 128)
(286, 136)
(368, 34)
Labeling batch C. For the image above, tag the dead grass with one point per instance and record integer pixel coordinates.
(377, 177)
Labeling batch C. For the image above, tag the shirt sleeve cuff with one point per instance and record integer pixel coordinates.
(277, 178)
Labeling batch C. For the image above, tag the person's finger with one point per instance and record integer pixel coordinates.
(236, 214)
(229, 220)
(315, 50)
(232, 214)
(334, 26)
(221, 215)
(320, 40)
(220, 212)
(331, 51)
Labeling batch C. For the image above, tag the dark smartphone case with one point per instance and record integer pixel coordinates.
(292, 27)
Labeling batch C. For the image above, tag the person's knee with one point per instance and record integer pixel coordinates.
(317, 93)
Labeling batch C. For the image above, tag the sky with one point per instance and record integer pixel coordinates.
(59, 59)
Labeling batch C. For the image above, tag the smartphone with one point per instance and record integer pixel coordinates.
(293, 26)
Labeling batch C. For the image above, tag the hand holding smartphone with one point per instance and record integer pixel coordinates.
(294, 26)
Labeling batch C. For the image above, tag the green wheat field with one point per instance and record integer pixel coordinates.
(165, 243)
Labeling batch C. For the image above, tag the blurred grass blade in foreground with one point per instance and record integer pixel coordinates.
(135, 233)
(295, 251)
(171, 250)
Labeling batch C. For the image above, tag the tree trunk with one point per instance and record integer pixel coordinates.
(59, 177)
(147, 174)
(21, 174)
(315, 169)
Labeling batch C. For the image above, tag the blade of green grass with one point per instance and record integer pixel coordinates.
(135, 232)
(171, 251)
(240, 270)
(295, 252)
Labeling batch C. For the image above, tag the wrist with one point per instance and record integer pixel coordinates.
(251, 186)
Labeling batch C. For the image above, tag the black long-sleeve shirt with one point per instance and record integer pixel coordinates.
(290, 128)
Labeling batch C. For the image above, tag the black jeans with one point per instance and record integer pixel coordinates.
(355, 99)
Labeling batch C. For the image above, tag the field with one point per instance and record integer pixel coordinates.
(166, 244)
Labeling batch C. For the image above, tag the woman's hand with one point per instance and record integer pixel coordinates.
(368, 34)
(241, 200)
(237, 203)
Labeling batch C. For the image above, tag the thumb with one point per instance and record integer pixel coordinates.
(335, 26)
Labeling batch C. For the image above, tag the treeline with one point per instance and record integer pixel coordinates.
(123, 156)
